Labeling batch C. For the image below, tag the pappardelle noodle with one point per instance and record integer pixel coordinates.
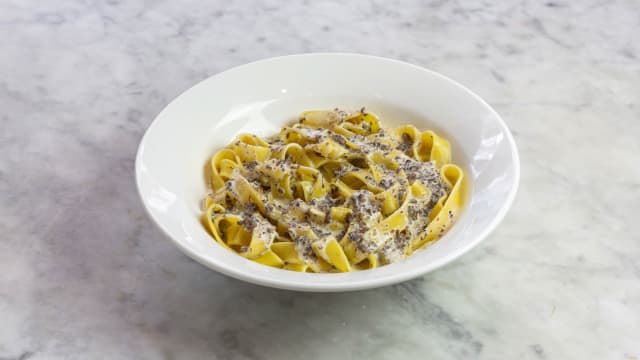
(334, 192)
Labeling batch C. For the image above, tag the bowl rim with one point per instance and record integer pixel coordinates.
(329, 287)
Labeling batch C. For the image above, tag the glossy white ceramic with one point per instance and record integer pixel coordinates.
(261, 97)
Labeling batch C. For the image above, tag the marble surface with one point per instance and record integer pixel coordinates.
(84, 274)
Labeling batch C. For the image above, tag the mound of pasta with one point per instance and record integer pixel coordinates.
(334, 192)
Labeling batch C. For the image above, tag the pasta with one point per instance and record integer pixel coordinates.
(334, 192)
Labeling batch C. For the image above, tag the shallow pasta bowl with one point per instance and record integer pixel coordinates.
(263, 96)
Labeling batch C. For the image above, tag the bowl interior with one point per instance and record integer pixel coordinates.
(261, 97)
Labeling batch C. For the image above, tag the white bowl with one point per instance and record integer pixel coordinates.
(262, 96)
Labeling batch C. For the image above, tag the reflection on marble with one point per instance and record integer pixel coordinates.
(85, 275)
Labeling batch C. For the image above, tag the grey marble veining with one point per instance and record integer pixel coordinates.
(85, 275)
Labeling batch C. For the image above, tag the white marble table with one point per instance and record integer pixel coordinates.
(85, 275)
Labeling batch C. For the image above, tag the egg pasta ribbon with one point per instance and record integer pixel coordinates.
(334, 192)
